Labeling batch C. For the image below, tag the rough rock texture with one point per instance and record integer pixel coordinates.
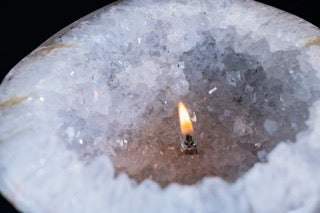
(88, 120)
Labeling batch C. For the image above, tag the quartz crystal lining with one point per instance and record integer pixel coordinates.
(88, 121)
(253, 108)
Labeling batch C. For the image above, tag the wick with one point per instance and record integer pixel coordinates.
(189, 140)
(189, 145)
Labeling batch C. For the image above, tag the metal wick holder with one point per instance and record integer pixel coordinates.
(189, 145)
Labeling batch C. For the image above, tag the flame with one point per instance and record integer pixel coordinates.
(185, 121)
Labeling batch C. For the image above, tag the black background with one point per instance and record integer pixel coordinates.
(26, 24)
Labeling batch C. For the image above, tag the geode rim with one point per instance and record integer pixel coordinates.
(288, 179)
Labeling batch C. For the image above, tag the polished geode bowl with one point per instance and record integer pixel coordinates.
(88, 121)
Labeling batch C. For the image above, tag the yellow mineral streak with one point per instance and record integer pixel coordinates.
(46, 49)
(313, 41)
(12, 101)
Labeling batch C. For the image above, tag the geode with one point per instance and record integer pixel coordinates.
(89, 120)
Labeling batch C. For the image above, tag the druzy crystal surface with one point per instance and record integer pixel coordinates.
(88, 121)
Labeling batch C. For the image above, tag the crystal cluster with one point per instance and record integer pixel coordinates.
(89, 119)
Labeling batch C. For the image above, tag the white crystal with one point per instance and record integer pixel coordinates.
(261, 154)
(80, 141)
(239, 126)
(270, 126)
(233, 78)
(194, 117)
(70, 132)
(212, 90)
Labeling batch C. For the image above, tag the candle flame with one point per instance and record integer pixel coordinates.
(185, 121)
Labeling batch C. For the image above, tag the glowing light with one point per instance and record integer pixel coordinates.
(185, 121)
